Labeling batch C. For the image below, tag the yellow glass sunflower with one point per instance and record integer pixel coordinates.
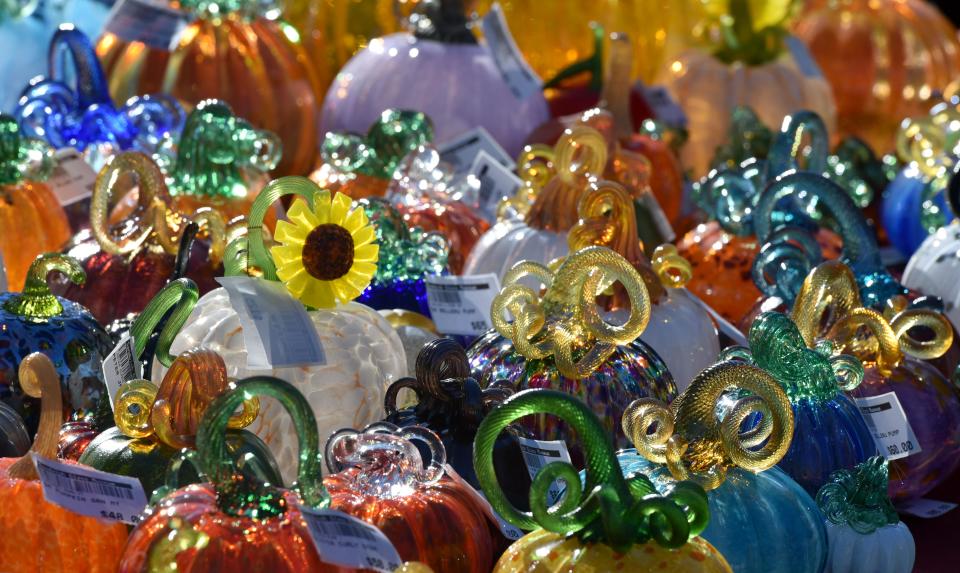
(326, 255)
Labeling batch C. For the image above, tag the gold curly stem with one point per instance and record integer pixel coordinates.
(829, 290)
(39, 379)
(672, 269)
(881, 346)
(903, 320)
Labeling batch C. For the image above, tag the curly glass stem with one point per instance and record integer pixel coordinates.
(858, 497)
(180, 295)
(215, 458)
(36, 301)
(828, 292)
(785, 151)
(39, 379)
(91, 82)
(783, 262)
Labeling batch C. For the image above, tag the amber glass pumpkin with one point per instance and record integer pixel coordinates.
(884, 60)
(230, 51)
(429, 517)
(128, 263)
(31, 219)
(37, 536)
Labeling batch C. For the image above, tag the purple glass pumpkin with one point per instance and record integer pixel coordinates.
(404, 71)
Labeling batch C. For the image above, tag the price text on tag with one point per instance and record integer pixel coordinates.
(497, 182)
(461, 304)
(277, 330)
(72, 179)
(344, 540)
(121, 366)
(514, 69)
(888, 422)
(927, 508)
(90, 492)
(151, 22)
(539, 453)
(461, 151)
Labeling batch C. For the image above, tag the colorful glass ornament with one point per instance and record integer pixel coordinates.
(829, 308)
(235, 51)
(829, 431)
(756, 510)
(883, 59)
(37, 535)
(37, 321)
(380, 476)
(562, 340)
(862, 525)
(127, 263)
(363, 352)
(31, 219)
(604, 523)
(84, 117)
(402, 71)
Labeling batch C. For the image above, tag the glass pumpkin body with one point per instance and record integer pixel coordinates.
(363, 352)
(753, 518)
(904, 212)
(932, 407)
(460, 225)
(37, 536)
(889, 549)
(14, 440)
(32, 222)
(883, 60)
(256, 65)
(75, 437)
(934, 269)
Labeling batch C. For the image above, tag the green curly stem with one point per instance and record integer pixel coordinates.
(215, 460)
(609, 508)
(394, 135)
(592, 64)
(20, 157)
(180, 295)
(785, 151)
(36, 301)
(858, 497)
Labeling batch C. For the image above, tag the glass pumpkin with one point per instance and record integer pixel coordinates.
(36, 535)
(571, 348)
(381, 477)
(862, 525)
(14, 440)
(363, 352)
(84, 117)
(37, 321)
(608, 523)
(129, 262)
(402, 71)
(883, 59)
(235, 522)
(415, 331)
(235, 52)
(31, 219)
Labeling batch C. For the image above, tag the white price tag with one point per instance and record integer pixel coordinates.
(497, 182)
(888, 422)
(344, 540)
(72, 179)
(461, 304)
(539, 453)
(90, 492)
(151, 22)
(277, 330)
(802, 57)
(662, 104)
(516, 72)
(121, 366)
(927, 508)
(461, 151)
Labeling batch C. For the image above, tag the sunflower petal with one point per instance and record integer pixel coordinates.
(357, 280)
(301, 215)
(321, 207)
(344, 291)
(287, 270)
(285, 253)
(367, 253)
(290, 234)
(318, 294)
(354, 220)
(339, 208)
(364, 235)
(298, 282)
(364, 268)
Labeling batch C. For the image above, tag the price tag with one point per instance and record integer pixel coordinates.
(888, 422)
(497, 182)
(121, 366)
(151, 22)
(277, 330)
(926, 508)
(662, 104)
(90, 492)
(461, 305)
(72, 179)
(508, 530)
(801, 56)
(344, 540)
(461, 151)
(516, 72)
(539, 453)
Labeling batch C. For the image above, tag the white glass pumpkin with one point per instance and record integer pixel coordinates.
(889, 549)
(935, 269)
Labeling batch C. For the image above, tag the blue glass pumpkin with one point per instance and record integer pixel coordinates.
(914, 206)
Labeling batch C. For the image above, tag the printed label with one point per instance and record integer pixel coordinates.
(277, 330)
(121, 366)
(90, 492)
(539, 453)
(461, 304)
(344, 540)
(72, 179)
(927, 508)
(496, 183)
(516, 72)
(151, 22)
(888, 422)
(462, 151)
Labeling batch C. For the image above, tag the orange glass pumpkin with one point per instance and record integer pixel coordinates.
(37, 536)
(427, 516)
(230, 52)
(31, 219)
(884, 60)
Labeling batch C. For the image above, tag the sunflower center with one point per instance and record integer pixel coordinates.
(328, 252)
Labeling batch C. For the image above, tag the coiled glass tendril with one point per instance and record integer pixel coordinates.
(858, 498)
